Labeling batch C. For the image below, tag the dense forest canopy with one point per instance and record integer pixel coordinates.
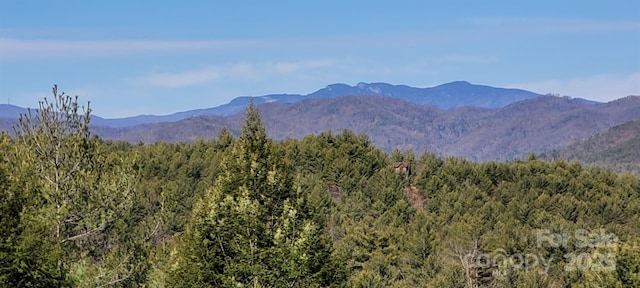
(327, 210)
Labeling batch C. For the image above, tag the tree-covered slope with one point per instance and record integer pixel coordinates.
(480, 134)
(618, 148)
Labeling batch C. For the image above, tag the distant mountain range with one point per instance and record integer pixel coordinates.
(455, 119)
(533, 125)
(450, 95)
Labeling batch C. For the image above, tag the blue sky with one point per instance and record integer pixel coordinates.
(160, 57)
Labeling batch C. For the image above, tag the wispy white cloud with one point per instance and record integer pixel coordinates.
(600, 87)
(556, 24)
(510, 27)
(469, 59)
(18, 49)
(245, 71)
(187, 78)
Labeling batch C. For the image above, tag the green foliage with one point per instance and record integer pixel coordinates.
(328, 210)
(27, 259)
(628, 265)
(75, 202)
(252, 226)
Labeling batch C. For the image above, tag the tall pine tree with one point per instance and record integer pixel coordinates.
(253, 227)
(77, 194)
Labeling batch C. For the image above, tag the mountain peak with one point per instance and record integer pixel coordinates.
(336, 86)
(458, 83)
(362, 85)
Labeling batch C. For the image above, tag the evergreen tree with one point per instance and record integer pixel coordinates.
(77, 193)
(26, 258)
(252, 227)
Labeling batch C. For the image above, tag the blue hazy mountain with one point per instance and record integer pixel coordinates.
(451, 95)
(11, 111)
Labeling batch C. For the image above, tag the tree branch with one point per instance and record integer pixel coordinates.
(84, 235)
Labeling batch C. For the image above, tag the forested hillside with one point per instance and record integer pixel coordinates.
(326, 210)
(534, 125)
(481, 134)
(618, 148)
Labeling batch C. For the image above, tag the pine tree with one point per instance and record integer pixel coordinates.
(26, 258)
(77, 193)
(252, 227)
